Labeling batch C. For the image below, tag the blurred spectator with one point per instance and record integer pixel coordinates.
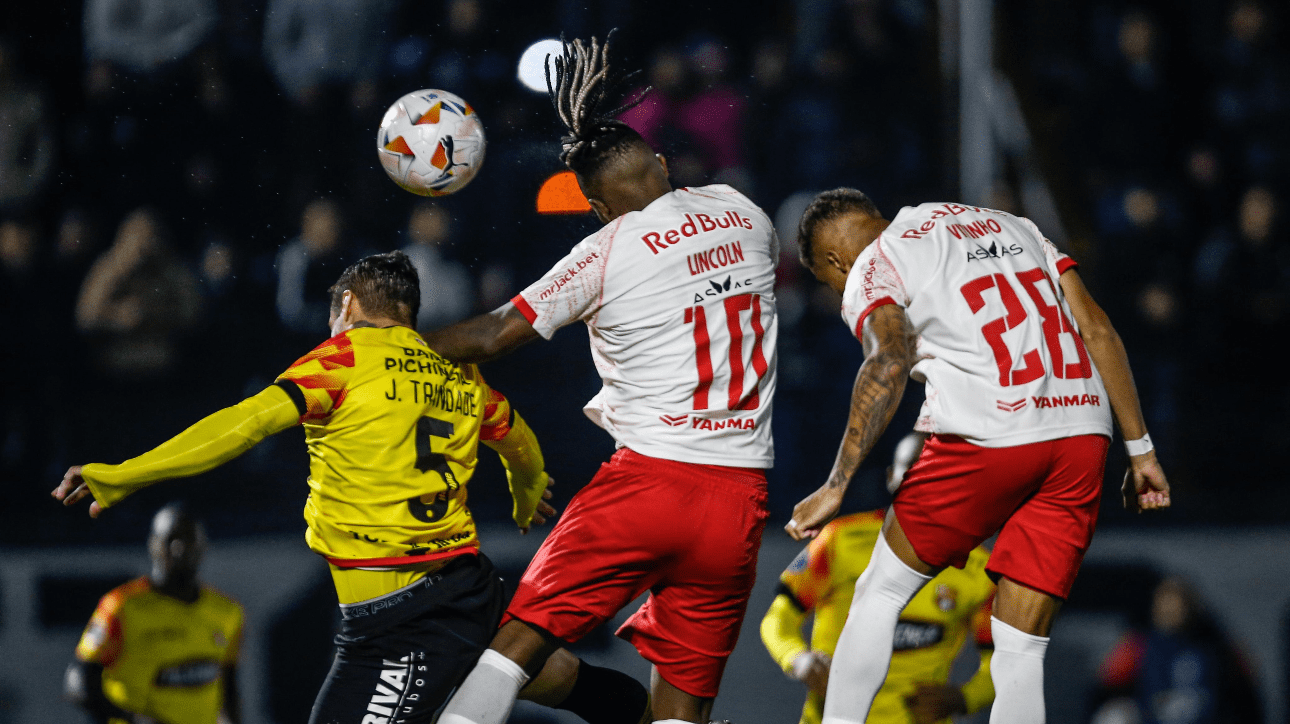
(163, 647)
(138, 299)
(1184, 670)
(310, 43)
(714, 115)
(144, 35)
(307, 266)
(446, 295)
(26, 138)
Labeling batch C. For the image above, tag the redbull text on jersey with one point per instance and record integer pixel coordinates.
(695, 224)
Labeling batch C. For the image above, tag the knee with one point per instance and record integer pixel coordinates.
(525, 644)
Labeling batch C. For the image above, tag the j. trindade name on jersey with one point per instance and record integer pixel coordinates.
(425, 362)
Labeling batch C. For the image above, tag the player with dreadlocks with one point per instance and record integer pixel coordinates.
(677, 292)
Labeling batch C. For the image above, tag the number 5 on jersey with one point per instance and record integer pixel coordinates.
(732, 333)
(429, 428)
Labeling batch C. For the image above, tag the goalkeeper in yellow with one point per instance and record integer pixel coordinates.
(393, 432)
(931, 630)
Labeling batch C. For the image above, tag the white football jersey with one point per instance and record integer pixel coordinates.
(679, 300)
(997, 348)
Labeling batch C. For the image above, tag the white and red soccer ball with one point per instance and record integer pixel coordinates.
(431, 142)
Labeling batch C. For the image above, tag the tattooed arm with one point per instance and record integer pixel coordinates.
(889, 355)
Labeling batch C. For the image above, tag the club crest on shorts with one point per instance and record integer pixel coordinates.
(946, 597)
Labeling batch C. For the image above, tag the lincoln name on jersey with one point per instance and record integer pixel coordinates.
(1003, 361)
(163, 657)
(393, 431)
(679, 302)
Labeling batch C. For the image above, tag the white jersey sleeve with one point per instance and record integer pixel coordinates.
(679, 303)
(878, 283)
(573, 289)
(1002, 361)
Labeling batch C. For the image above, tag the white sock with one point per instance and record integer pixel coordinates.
(488, 694)
(1017, 668)
(864, 649)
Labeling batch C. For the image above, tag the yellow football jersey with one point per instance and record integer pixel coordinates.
(162, 657)
(393, 431)
(931, 630)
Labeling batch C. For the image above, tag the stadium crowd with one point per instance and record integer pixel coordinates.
(180, 184)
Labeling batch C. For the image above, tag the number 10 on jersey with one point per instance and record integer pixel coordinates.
(742, 394)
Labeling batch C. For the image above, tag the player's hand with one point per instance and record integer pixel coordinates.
(931, 703)
(73, 489)
(812, 668)
(1145, 486)
(815, 510)
(544, 509)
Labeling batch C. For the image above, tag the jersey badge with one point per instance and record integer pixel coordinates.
(799, 563)
(674, 420)
(946, 597)
(219, 638)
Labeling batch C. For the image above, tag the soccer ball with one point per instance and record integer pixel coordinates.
(431, 142)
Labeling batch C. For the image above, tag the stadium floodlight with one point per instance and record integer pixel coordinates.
(532, 70)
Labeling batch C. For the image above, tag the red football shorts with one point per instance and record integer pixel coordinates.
(1042, 498)
(689, 534)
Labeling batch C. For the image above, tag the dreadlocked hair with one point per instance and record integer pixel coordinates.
(583, 82)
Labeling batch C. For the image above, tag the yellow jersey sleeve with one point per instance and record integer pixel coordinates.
(211, 442)
(103, 639)
(781, 631)
(321, 378)
(503, 430)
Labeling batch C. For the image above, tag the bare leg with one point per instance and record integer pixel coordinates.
(901, 546)
(518, 652)
(555, 681)
(669, 702)
(1025, 609)
(1022, 619)
(526, 645)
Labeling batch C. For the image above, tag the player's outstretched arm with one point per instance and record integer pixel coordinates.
(511, 437)
(889, 342)
(1145, 485)
(484, 337)
(213, 441)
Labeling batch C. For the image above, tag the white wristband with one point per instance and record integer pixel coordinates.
(1141, 446)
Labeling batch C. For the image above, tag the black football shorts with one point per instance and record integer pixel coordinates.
(400, 656)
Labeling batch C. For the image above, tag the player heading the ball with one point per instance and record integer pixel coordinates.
(1019, 425)
(677, 292)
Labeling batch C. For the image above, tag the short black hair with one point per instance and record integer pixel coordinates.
(583, 83)
(826, 206)
(385, 284)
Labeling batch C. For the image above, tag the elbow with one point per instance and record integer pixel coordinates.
(1099, 334)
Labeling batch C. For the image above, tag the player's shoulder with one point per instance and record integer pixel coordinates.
(118, 598)
(337, 351)
(720, 192)
(220, 603)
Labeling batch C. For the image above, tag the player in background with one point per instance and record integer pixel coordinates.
(393, 431)
(929, 634)
(163, 647)
(677, 292)
(1022, 372)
